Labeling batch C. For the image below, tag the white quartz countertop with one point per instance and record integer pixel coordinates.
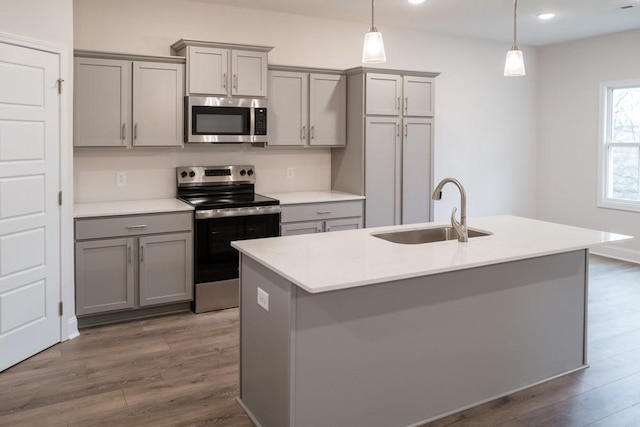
(129, 207)
(300, 197)
(340, 260)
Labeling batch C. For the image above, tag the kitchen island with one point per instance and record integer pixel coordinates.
(347, 329)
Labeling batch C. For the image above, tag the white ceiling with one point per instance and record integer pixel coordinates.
(488, 19)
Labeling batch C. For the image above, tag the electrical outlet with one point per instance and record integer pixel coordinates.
(289, 172)
(121, 179)
(263, 299)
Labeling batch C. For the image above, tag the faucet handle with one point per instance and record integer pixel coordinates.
(461, 230)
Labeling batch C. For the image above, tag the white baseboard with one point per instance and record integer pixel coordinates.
(72, 328)
(616, 252)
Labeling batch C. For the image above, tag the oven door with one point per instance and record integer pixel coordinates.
(217, 263)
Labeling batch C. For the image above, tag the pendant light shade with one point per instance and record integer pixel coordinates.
(514, 65)
(373, 49)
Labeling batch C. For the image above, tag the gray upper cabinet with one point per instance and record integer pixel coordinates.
(102, 106)
(327, 110)
(416, 169)
(158, 90)
(384, 94)
(124, 103)
(224, 69)
(288, 108)
(307, 109)
(394, 95)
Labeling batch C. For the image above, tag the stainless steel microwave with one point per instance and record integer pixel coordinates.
(225, 120)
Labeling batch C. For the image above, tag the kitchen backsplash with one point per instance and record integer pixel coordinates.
(149, 173)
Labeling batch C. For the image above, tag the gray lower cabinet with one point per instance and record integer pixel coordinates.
(321, 217)
(133, 262)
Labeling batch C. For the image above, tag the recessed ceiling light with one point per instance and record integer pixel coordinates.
(416, 1)
(546, 15)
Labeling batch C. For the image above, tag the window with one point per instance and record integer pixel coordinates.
(620, 146)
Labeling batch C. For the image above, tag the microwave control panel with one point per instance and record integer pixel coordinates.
(261, 121)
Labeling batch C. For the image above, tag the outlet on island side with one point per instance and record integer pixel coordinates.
(289, 172)
(121, 179)
(263, 299)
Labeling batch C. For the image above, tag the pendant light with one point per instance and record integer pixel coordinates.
(514, 65)
(373, 49)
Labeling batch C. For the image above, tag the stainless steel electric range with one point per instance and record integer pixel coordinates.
(226, 209)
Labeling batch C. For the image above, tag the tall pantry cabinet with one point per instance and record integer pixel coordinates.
(389, 152)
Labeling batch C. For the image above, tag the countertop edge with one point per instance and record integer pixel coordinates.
(129, 207)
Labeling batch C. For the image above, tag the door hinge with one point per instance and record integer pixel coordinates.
(60, 198)
(60, 309)
(60, 85)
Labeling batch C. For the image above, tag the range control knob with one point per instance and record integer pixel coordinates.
(243, 172)
(183, 174)
(192, 174)
(250, 172)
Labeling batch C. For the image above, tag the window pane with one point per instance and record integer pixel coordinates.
(625, 103)
(625, 176)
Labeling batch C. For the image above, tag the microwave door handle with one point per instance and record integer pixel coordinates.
(252, 121)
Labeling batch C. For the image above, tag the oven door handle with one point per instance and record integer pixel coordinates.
(230, 212)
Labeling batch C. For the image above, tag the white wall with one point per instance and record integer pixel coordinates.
(570, 74)
(51, 21)
(485, 123)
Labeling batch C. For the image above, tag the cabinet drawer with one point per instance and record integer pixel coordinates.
(133, 225)
(316, 211)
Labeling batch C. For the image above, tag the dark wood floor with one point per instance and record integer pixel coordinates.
(182, 370)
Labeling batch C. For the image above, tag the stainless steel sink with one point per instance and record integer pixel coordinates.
(426, 235)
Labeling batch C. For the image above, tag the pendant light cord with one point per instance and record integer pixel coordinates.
(515, 25)
(372, 9)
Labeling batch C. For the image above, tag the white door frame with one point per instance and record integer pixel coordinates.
(69, 323)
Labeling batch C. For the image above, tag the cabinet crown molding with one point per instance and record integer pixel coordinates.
(182, 43)
(362, 70)
(79, 53)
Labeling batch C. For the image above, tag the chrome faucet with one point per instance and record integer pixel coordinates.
(459, 227)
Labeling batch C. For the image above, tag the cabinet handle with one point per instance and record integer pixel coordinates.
(122, 133)
(135, 131)
(129, 254)
(224, 81)
(398, 129)
(319, 229)
(235, 81)
(327, 229)
(141, 253)
(406, 132)
(313, 132)
(304, 132)
(406, 104)
(398, 104)
(131, 227)
(323, 212)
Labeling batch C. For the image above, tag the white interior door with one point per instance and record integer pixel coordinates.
(29, 212)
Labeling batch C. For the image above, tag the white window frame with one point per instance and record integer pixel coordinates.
(604, 144)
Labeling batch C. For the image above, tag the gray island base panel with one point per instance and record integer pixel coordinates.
(406, 352)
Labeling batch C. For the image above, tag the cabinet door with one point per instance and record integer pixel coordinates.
(343, 224)
(166, 268)
(418, 96)
(327, 109)
(308, 227)
(248, 73)
(382, 171)
(416, 170)
(102, 100)
(288, 108)
(383, 94)
(207, 70)
(158, 91)
(104, 275)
